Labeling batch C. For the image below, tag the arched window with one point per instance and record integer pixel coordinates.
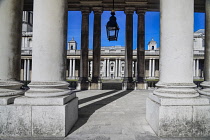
(72, 47)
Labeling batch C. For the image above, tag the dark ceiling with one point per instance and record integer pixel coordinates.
(150, 5)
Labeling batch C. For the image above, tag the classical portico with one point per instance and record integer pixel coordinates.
(50, 109)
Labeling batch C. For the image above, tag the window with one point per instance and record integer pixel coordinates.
(153, 47)
(112, 68)
(72, 47)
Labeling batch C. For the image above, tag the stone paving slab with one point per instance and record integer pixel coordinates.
(111, 115)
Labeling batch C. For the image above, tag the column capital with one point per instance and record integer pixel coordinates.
(141, 11)
(85, 10)
(129, 10)
(97, 10)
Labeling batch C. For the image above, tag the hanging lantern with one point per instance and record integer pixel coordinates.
(112, 27)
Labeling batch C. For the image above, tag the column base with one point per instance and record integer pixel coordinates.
(206, 88)
(83, 86)
(39, 119)
(96, 86)
(128, 83)
(178, 117)
(176, 90)
(9, 90)
(140, 86)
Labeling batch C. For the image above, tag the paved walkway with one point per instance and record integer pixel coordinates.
(111, 115)
(114, 115)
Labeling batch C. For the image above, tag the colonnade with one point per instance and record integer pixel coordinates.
(128, 80)
(49, 106)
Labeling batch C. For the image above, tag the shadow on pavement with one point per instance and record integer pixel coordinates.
(86, 111)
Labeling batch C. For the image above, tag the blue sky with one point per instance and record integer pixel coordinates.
(152, 27)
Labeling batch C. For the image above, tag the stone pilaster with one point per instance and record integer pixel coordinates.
(175, 108)
(96, 83)
(128, 83)
(10, 50)
(140, 82)
(83, 81)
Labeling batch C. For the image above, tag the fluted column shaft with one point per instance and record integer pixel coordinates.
(140, 46)
(96, 44)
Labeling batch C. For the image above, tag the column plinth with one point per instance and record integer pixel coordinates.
(10, 37)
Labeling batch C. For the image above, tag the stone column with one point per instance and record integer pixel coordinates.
(104, 67)
(91, 68)
(136, 69)
(197, 67)
(141, 84)
(108, 67)
(10, 49)
(194, 67)
(95, 84)
(70, 68)
(28, 69)
(183, 58)
(84, 82)
(206, 83)
(116, 67)
(119, 67)
(128, 81)
(73, 71)
(25, 70)
(176, 104)
(153, 68)
(150, 68)
(53, 106)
